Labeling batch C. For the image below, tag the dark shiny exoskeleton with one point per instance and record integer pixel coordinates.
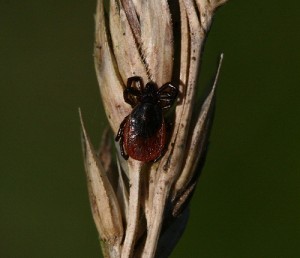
(142, 133)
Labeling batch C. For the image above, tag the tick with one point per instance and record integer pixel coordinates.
(142, 134)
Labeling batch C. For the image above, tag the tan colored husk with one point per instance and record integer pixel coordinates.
(104, 203)
(137, 40)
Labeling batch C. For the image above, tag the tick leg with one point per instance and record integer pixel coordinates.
(173, 90)
(130, 93)
(165, 103)
(124, 155)
(137, 79)
(167, 94)
(167, 106)
(121, 129)
(120, 136)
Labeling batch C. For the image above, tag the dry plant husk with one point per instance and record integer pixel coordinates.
(141, 209)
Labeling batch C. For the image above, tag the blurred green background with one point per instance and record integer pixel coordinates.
(247, 201)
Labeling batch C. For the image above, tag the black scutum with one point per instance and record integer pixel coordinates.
(146, 119)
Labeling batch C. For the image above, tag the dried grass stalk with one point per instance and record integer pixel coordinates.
(141, 210)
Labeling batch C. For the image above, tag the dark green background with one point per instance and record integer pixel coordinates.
(247, 202)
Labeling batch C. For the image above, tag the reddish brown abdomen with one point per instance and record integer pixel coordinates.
(144, 148)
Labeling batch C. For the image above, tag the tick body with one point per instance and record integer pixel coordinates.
(142, 134)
